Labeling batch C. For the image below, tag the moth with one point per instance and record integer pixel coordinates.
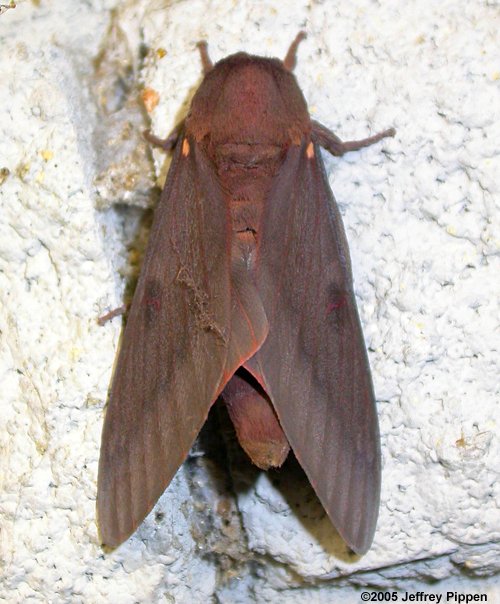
(245, 293)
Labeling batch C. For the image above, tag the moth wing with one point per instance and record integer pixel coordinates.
(178, 348)
(314, 363)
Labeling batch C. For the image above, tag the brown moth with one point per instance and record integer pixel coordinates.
(245, 292)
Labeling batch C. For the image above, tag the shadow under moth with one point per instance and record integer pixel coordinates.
(245, 293)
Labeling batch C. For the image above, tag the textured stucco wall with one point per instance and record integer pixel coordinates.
(421, 214)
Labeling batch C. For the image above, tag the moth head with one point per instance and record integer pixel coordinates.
(250, 98)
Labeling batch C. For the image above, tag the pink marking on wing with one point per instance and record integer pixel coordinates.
(154, 303)
(337, 303)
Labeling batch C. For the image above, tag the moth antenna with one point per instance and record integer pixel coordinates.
(205, 59)
(290, 60)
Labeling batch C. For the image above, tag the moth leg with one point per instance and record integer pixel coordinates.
(167, 144)
(206, 62)
(290, 60)
(116, 312)
(332, 143)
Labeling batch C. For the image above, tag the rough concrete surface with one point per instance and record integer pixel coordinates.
(78, 84)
